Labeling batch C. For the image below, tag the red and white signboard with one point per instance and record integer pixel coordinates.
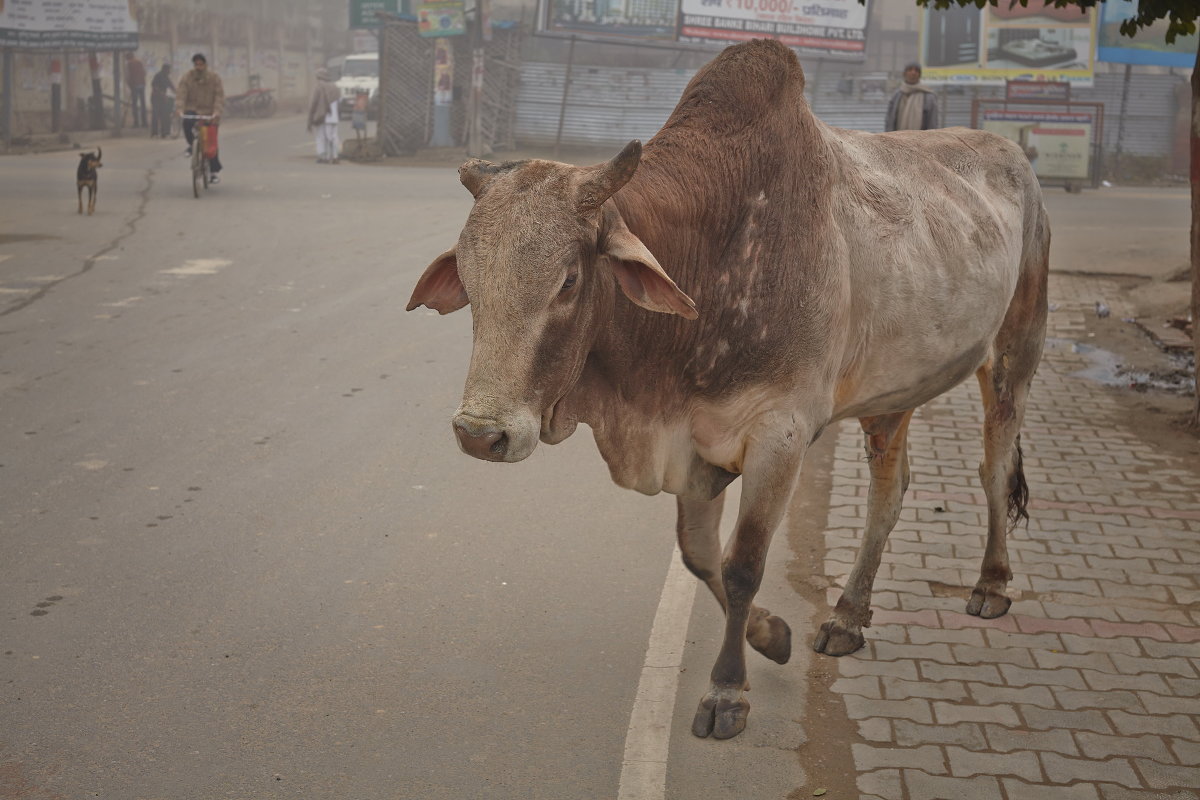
(819, 28)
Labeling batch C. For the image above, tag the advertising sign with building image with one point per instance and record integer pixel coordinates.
(995, 44)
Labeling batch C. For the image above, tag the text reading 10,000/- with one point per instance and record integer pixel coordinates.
(772, 6)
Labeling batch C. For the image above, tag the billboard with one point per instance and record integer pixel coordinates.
(68, 25)
(813, 28)
(630, 20)
(1058, 143)
(1149, 46)
(362, 12)
(992, 45)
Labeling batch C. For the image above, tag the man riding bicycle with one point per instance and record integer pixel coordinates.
(200, 93)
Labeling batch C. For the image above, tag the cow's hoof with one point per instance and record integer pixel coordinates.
(988, 605)
(721, 718)
(834, 639)
(773, 638)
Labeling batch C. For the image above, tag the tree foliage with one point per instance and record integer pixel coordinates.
(1180, 15)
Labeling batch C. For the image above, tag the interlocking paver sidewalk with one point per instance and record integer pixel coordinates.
(1090, 687)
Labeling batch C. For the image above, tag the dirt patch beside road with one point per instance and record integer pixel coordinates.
(1151, 372)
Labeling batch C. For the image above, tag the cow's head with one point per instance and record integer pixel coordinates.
(539, 261)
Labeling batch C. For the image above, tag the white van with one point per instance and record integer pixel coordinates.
(359, 72)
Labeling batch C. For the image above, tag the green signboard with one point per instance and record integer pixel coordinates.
(362, 12)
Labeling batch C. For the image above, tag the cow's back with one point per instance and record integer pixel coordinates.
(933, 221)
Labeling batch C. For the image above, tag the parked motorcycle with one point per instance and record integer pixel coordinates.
(254, 103)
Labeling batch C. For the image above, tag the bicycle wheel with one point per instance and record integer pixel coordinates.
(198, 164)
(204, 171)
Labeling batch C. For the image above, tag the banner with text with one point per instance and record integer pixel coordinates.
(362, 12)
(627, 20)
(68, 25)
(1057, 143)
(815, 28)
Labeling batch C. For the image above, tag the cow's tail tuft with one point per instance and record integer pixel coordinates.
(1018, 489)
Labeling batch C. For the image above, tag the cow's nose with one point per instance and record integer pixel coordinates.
(480, 438)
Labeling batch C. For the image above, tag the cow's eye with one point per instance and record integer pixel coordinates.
(569, 282)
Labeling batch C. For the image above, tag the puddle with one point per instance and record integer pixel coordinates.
(1107, 369)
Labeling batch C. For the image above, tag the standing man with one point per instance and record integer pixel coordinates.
(160, 104)
(135, 76)
(323, 115)
(914, 105)
(200, 92)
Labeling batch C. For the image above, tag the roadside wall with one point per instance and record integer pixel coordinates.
(286, 71)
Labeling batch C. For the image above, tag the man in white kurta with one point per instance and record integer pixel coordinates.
(323, 116)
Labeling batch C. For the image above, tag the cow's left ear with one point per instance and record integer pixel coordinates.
(440, 287)
(638, 272)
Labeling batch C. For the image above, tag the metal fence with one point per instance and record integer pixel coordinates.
(608, 106)
(406, 88)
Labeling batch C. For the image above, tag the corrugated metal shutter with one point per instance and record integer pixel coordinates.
(607, 105)
(611, 105)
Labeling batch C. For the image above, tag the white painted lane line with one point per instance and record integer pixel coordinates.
(648, 739)
(199, 266)
(5, 257)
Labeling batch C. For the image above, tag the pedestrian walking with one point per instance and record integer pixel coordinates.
(323, 116)
(135, 76)
(358, 116)
(160, 103)
(913, 107)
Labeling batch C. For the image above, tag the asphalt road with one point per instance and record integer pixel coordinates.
(240, 553)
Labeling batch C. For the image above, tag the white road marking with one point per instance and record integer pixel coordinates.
(5, 257)
(128, 301)
(199, 266)
(648, 738)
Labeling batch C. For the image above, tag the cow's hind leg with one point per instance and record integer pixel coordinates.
(887, 451)
(1003, 477)
(1004, 383)
(697, 528)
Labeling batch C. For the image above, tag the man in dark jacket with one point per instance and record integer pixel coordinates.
(914, 105)
(135, 76)
(160, 104)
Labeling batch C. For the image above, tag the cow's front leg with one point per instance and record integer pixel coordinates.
(697, 528)
(772, 462)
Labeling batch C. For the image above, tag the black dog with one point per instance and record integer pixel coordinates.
(86, 176)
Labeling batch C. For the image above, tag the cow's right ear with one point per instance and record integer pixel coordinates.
(440, 288)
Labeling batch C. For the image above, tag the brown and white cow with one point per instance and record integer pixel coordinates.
(802, 274)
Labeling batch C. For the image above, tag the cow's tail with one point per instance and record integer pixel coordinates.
(1018, 489)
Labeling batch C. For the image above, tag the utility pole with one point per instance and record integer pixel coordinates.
(6, 103)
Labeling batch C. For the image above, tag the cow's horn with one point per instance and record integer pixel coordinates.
(475, 174)
(604, 180)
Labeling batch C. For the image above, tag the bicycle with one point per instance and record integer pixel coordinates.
(200, 166)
